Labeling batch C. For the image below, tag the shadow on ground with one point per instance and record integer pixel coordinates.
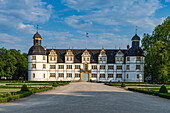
(88, 102)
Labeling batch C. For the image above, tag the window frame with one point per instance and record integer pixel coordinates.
(111, 66)
(117, 67)
(110, 75)
(51, 66)
(119, 76)
(137, 67)
(102, 66)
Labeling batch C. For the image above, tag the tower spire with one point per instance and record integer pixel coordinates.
(136, 29)
(37, 27)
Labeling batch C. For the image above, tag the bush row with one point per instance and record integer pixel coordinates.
(164, 95)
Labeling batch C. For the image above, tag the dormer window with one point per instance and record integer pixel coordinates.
(119, 56)
(102, 56)
(69, 56)
(53, 56)
(86, 57)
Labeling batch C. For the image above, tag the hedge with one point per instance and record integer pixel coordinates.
(164, 95)
(44, 89)
(22, 94)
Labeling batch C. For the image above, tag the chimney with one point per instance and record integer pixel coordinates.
(127, 47)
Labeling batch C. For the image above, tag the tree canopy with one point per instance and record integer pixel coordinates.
(13, 63)
(157, 52)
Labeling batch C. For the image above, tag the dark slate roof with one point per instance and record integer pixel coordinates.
(36, 50)
(135, 51)
(36, 35)
(136, 37)
(93, 52)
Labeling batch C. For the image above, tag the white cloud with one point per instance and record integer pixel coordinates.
(14, 13)
(112, 13)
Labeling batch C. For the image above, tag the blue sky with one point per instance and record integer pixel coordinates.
(64, 23)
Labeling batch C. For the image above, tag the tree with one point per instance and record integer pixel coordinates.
(157, 51)
(13, 63)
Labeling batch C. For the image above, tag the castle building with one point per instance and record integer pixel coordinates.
(124, 65)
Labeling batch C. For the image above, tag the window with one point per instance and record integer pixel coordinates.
(100, 59)
(33, 57)
(127, 67)
(61, 75)
(87, 59)
(137, 67)
(118, 75)
(127, 76)
(77, 75)
(117, 59)
(94, 67)
(110, 76)
(128, 58)
(44, 66)
(84, 59)
(94, 75)
(69, 75)
(67, 59)
(52, 74)
(51, 58)
(44, 58)
(110, 67)
(61, 67)
(121, 59)
(52, 67)
(102, 75)
(102, 67)
(104, 59)
(44, 75)
(137, 76)
(69, 66)
(137, 58)
(71, 59)
(77, 66)
(33, 75)
(34, 66)
(86, 67)
(54, 59)
(119, 67)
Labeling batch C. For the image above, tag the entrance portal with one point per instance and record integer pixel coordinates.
(85, 77)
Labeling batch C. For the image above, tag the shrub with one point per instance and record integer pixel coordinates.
(54, 84)
(164, 95)
(24, 88)
(163, 89)
(123, 84)
(3, 100)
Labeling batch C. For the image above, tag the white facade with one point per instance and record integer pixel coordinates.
(39, 69)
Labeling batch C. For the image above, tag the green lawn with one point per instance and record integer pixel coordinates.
(4, 90)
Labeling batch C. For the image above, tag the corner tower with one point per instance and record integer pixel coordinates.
(37, 60)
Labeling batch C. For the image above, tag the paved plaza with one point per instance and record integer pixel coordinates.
(85, 97)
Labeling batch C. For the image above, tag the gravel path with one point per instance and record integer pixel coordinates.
(85, 97)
